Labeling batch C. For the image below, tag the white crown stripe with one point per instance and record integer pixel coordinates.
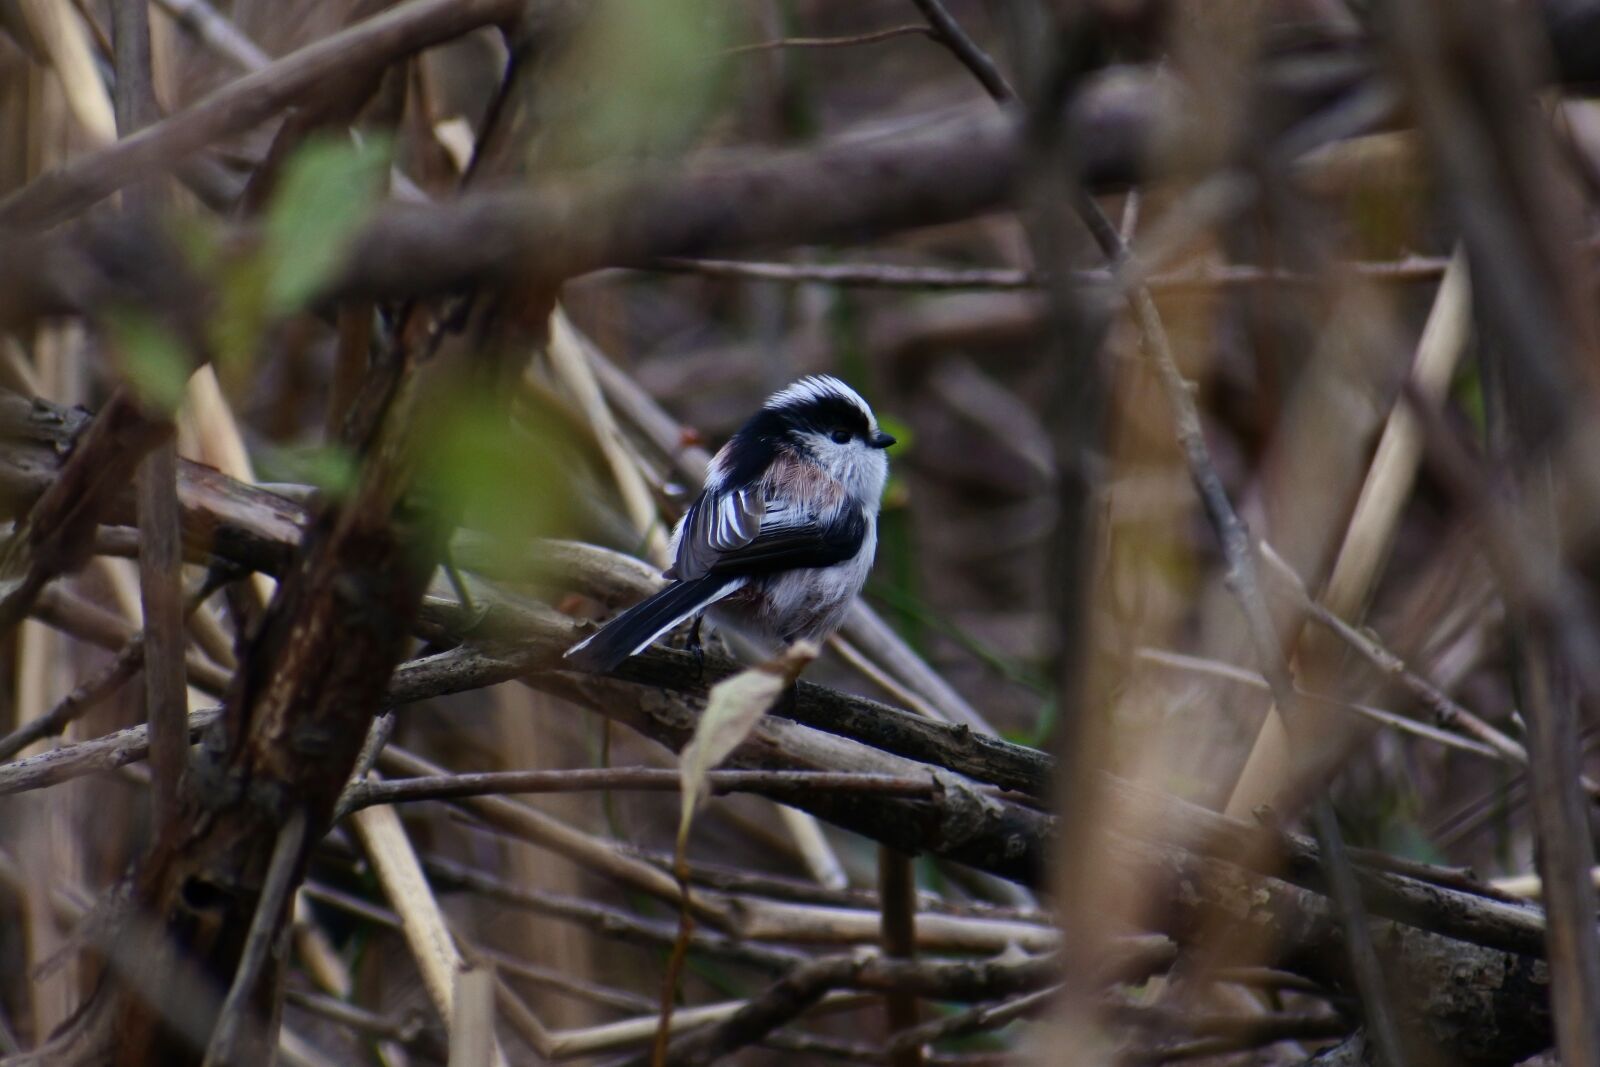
(816, 387)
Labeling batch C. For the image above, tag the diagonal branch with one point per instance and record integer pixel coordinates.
(975, 59)
(61, 193)
(58, 532)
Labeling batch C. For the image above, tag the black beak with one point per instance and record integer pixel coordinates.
(880, 440)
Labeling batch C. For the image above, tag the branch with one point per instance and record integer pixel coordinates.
(56, 535)
(1198, 277)
(1494, 1009)
(975, 59)
(266, 929)
(92, 690)
(775, 784)
(216, 32)
(160, 543)
(800, 989)
(849, 190)
(830, 42)
(1450, 911)
(63, 192)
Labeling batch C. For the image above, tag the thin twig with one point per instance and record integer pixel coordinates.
(216, 32)
(1218, 669)
(165, 638)
(560, 981)
(265, 928)
(403, 1028)
(789, 997)
(649, 779)
(1446, 712)
(830, 42)
(1204, 275)
(608, 921)
(973, 1020)
(1211, 1035)
(975, 59)
(91, 691)
(104, 753)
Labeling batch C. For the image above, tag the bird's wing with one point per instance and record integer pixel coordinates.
(784, 537)
(717, 523)
(790, 538)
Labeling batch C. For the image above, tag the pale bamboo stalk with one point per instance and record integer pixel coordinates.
(205, 418)
(550, 833)
(1377, 512)
(572, 358)
(54, 378)
(472, 1042)
(60, 34)
(883, 679)
(316, 953)
(817, 924)
(384, 839)
(815, 851)
(626, 1033)
(1531, 886)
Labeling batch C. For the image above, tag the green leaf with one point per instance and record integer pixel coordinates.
(333, 469)
(662, 80)
(153, 359)
(327, 192)
(507, 480)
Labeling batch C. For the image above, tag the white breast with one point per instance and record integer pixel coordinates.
(808, 603)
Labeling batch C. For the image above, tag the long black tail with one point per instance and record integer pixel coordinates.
(630, 632)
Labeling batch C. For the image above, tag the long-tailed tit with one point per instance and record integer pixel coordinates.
(783, 535)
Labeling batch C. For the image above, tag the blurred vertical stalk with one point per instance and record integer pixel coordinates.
(1050, 53)
(160, 541)
(1471, 67)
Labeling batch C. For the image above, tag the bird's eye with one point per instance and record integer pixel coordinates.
(840, 437)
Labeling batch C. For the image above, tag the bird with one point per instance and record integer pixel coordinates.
(782, 536)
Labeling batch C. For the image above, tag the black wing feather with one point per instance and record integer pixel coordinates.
(792, 546)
